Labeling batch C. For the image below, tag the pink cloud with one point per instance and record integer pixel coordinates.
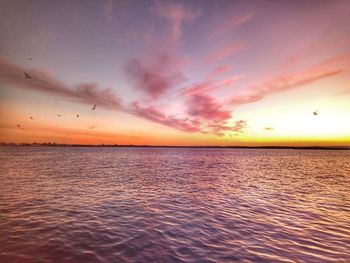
(228, 24)
(224, 52)
(211, 121)
(153, 114)
(236, 21)
(202, 110)
(176, 14)
(228, 81)
(292, 61)
(221, 32)
(160, 69)
(88, 93)
(210, 85)
(155, 76)
(205, 107)
(284, 82)
(218, 71)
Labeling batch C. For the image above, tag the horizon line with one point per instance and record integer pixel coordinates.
(53, 144)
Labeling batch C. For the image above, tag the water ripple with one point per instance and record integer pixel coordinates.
(173, 205)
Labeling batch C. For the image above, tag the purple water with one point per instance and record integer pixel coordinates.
(173, 205)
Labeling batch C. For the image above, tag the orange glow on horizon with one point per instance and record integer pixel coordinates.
(240, 83)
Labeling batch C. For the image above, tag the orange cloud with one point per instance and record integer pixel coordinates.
(220, 129)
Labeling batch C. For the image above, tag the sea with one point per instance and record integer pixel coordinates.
(134, 204)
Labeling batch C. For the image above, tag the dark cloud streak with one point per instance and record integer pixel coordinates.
(88, 93)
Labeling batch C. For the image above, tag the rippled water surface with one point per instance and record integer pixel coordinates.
(173, 205)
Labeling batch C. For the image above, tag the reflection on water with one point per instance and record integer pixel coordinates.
(173, 205)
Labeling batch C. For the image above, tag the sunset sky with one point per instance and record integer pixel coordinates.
(175, 72)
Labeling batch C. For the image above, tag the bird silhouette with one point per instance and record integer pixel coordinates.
(59, 115)
(27, 75)
(31, 118)
(19, 126)
(30, 59)
(93, 127)
(316, 113)
(94, 107)
(77, 115)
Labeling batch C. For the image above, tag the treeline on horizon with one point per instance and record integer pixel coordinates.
(54, 144)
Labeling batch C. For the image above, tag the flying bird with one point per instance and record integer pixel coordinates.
(94, 107)
(31, 118)
(19, 126)
(93, 127)
(59, 115)
(316, 113)
(77, 115)
(30, 59)
(27, 75)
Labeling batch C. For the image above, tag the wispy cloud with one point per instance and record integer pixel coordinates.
(284, 82)
(219, 70)
(225, 51)
(177, 14)
(235, 21)
(88, 93)
(228, 23)
(108, 10)
(155, 76)
(153, 114)
(161, 67)
(220, 130)
(210, 85)
(202, 109)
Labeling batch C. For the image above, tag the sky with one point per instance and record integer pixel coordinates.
(175, 72)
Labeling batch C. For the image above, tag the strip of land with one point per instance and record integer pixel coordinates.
(50, 144)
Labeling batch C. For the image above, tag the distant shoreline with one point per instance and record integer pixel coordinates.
(172, 146)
